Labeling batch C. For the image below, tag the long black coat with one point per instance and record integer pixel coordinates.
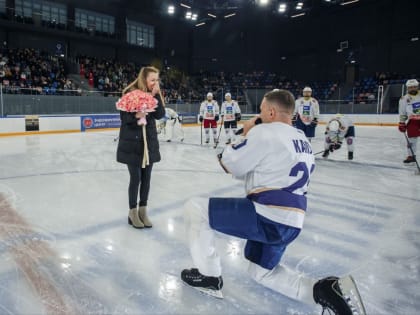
(131, 146)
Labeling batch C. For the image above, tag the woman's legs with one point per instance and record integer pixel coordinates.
(133, 187)
(146, 176)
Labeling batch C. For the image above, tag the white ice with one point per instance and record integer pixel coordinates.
(71, 251)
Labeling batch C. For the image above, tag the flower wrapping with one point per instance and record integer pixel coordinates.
(137, 101)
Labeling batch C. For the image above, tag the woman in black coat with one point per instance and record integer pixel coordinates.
(131, 146)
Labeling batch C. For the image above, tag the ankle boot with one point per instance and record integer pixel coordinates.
(143, 217)
(134, 220)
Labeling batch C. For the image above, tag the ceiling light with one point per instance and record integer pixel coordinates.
(229, 15)
(211, 15)
(349, 2)
(200, 24)
(184, 5)
(282, 7)
(297, 15)
(171, 9)
(264, 2)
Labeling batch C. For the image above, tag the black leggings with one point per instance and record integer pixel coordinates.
(139, 177)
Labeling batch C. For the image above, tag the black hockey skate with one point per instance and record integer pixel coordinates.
(207, 141)
(208, 285)
(339, 295)
(410, 159)
(228, 142)
(325, 154)
(350, 156)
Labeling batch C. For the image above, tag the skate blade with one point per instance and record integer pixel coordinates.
(214, 293)
(351, 295)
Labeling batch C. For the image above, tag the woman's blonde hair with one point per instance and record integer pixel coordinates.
(140, 82)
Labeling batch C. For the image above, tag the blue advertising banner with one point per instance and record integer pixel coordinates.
(99, 121)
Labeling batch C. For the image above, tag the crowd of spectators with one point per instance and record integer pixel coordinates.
(30, 71)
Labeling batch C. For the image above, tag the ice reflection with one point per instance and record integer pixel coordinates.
(169, 287)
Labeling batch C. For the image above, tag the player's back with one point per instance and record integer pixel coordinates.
(279, 182)
(283, 148)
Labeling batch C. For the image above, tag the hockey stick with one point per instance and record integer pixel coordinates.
(201, 133)
(220, 130)
(319, 152)
(412, 152)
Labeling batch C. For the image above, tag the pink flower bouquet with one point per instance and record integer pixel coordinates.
(137, 101)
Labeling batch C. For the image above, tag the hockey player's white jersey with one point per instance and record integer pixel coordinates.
(170, 113)
(275, 160)
(307, 109)
(338, 136)
(209, 109)
(229, 109)
(409, 107)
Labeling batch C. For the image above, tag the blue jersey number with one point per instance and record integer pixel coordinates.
(304, 180)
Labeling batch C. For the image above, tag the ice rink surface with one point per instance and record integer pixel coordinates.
(66, 247)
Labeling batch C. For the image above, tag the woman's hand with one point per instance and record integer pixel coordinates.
(140, 115)
(156, 89)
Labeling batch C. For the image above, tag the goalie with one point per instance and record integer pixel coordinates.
(338, 129)
(171, 125)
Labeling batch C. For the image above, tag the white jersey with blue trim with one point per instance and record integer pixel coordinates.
(209, 110)
(307, 109)
(170, 113)
(229, 109)
(409, 107)
(276, 161)
(344, 124)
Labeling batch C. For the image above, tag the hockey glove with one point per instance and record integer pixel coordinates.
(314, 122)
(402, 127)
(200, 119)
(216, 118)
(238, 116)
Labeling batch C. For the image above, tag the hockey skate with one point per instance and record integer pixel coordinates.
(207, 141)
(350, 155)
(216, 142)
(228, 142)
(410, 159)
(325, 154)
(339, 295)
(208, 285)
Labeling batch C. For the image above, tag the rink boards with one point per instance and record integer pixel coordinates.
(21, 125)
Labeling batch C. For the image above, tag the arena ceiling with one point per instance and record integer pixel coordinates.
(221, 9)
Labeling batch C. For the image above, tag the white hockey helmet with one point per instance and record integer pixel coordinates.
(307, 89)
(228, 95)
(412, 82)
(209, 94)
(334, 125)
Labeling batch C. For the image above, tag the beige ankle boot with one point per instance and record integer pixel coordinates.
(134, 220)
(143, 217)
